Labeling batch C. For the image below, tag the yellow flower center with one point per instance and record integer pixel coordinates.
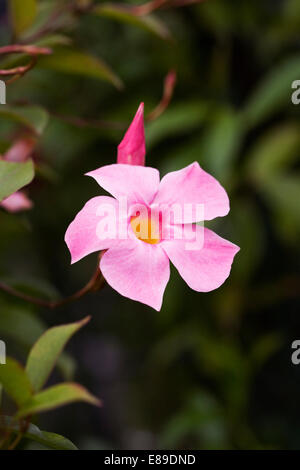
(145, 229)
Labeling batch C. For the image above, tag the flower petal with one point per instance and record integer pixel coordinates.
(82, 236)
(137, 270)
(138, 184)
(193, 186)
(21, 149)
(207, 268)
(16, 202)
(132, 149)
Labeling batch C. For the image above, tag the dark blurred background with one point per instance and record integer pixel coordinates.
(209, 371)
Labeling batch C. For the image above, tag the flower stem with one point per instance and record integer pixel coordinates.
(96, 283)
(23, 429)
(31, 50)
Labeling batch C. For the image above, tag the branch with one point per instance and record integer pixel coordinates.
(96, 283)
(183, 3)
(25, 49)
(149, 7)
(19, 71)
(51, 25)
(93, 123)
(169, 85)
(23, 425)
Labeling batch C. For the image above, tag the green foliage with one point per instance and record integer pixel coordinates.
(211, 370)
(15, 382)
(54, 397)
(177, 120)
(273, 93)
(274, 152)
(202, 418)
(23, 385)
(13, 176)
(46, 350)
(23, 326)
(122, 14)
(48, 439)
(32, 117)
(221, 143)
(72, 61)
(23, 14)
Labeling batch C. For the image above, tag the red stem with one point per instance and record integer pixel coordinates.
(96, 283)
(25, 49)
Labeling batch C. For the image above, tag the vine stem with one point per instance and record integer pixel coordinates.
(25, 49)
(154, 5)
(96, 283)
(23, 429)
(169, 85)
(49, 25)
(52, 23)
(31, 50)
(147, 8)
(7, 443)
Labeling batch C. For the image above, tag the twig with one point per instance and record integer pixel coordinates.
(24, 425)
(50, 24)
(25, 49)
(19, 71)
(182, 3)
(96, 283)
(169, 85)
(149, 7)
(97, 124)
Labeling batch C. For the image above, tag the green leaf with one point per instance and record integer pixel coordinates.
(201, 416)
(249, 231)
(176, 120)
(274, 92)
(20, 324)
(54, 40)
(122, 13)
(13, 176)
(33, 117)
(56, 396)
(46, 350)
(51, 440)
(36, 287)
(67, 366)
(264, 348)
(24, 327)
(67, 60)
(15, 382)
(33, 433)
(23, 14)
(282, 192)
(221, 143)
(274, 151)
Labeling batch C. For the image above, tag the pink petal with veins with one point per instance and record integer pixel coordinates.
(138, 271)
(205, 269)
(193, 186)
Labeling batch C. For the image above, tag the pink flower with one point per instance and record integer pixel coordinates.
(136, 263)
